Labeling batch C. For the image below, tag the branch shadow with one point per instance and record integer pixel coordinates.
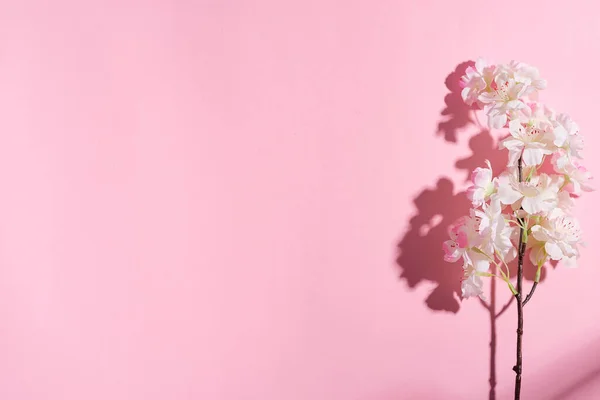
(419, 251)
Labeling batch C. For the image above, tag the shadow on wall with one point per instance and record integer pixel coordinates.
(420, 255)
(456, 115)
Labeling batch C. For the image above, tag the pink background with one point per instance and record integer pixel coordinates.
(203, 200)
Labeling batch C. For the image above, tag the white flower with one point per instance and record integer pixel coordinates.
(472, 285)
(566, 135)
(464, 243)
(560, 236)
(483, 185)
(561, 160)
(579, 178)
(568, 141)
(504, 97)
(457, 245)
(538, 255)
(527, 75)
(508, 191)
(534, 113)
(478, 261)
(512, 84)
(564, 161)
(538, 196)
(495, 232)
(477, 80)
(529, 141)
(564, 205)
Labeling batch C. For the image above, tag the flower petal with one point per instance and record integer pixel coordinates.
(553, 250)
(539, 233)
(533, 156)
(506, 193)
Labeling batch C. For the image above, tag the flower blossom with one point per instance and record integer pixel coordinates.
(504, 97)
(476, 80)
(527, 75)
(578, 178)
(560, 236)
(495, 232)
(527, 141)
(567, 135)
(472, 284)
(464, 239)
(483, 185)
(539, 195)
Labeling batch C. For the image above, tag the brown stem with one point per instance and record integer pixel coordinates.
(518, 368)
(530, 293)
(493, 345)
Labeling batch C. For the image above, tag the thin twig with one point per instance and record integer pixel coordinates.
(530, 293)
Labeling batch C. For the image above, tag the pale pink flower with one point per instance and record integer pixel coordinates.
(456, 247)
(504, 97)
(528, 141)
(477, 80)
(527, 75)
(537, 254)
(568, 141)
(464, 238)
(495, 232)
(483, 185)
(534, 113)
(537, 196)
(471, 285)
(566, 135)
(560, 160)
(560, 236)
(512, 84)
(478, 261)
(579, 178)
(564, 205)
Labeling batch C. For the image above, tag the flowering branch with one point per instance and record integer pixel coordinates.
(521, 211)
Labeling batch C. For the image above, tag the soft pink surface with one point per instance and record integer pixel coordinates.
(203, 200)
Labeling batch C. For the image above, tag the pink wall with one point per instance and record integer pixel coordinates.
(203, 200)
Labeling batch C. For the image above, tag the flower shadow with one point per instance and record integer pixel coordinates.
(483, 148)
(421, 257)
(456, 115)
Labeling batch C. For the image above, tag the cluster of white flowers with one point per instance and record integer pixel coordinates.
(522, 203)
